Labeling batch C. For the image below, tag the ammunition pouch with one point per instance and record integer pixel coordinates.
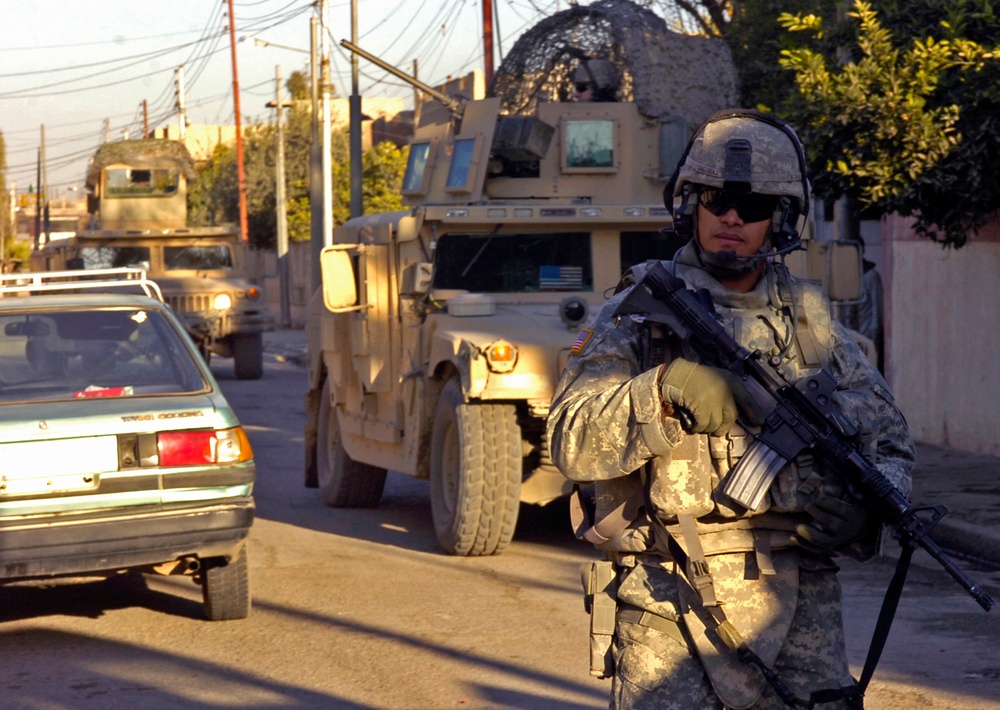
(600, 589)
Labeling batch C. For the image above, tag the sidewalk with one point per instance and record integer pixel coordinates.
(967, 484)
(286, 344)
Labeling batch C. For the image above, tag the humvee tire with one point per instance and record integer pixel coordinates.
(476, 469)
(248, 356)
(343, 482)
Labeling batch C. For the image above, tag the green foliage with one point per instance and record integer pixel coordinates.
(756, 41)
(213, 198)
(906, 126)
(6, 218)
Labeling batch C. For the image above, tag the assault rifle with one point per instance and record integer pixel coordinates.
(804, 417)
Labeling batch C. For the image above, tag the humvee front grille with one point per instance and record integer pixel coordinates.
(190, 303)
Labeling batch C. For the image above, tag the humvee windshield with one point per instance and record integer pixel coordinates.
(637, 247)
(514, 263)
(197, 257)
(107, 257)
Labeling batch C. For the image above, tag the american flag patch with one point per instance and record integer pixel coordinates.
(581, 340)
(560, 278)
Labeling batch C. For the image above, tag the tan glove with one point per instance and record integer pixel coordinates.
(835, 521)
(701, 396)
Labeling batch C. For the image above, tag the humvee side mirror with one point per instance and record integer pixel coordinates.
(834, 264)
(340, 293)
(844, 267)
(75, 264)
(408, 229)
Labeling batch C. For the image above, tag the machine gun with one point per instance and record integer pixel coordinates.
(804, 417)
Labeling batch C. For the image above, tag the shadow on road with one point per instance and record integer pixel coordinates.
(80, 671)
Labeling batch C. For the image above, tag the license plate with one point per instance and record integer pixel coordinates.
(56, 466)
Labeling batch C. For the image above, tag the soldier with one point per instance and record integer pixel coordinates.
(655, 431)
(595, 80)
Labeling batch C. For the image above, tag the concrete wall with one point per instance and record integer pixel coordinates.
(265, 265)
(943, 348)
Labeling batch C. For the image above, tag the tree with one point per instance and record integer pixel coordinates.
(909, 126)
(705, 17)
(212, 199)
(756, 40)
(382, 168)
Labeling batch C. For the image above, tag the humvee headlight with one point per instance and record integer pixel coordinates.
(501, 356)
(573, 311)
(253, 293)
(222, 302)
(590, 212)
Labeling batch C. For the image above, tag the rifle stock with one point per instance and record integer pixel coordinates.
(804, 416)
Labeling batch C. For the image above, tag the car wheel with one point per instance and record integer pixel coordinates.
(225, 587)
(476, 467)
(343, 482)
(248, 356)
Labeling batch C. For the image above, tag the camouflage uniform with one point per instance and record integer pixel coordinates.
(606, 423)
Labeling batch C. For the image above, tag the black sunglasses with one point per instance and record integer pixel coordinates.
(581, 87)
(750, 208)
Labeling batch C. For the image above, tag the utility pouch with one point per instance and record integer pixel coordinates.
(600, 589)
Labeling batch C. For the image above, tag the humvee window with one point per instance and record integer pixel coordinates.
(589, 146)
(514, 263)
(123, 182)
(194, 257)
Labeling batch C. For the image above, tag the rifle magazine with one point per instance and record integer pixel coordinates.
(749, 480)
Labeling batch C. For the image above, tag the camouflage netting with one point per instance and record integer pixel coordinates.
(140, 153)
(663, 72)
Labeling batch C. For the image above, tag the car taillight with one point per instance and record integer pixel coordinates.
(201, 446)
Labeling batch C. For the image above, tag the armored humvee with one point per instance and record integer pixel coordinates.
(137, 200)
(439, 333)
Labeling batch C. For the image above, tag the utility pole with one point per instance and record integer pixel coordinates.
(487, 39)
(327, 158)
(145, 119)
(279, 203)
(182, 116)
(241, 179)
(316, 179)
(38, 199)
(43, 193)
(357, 198)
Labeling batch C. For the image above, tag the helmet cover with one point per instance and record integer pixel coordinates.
(717, 157)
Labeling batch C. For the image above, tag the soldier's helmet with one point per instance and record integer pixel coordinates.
(601, 75)
(743, 152)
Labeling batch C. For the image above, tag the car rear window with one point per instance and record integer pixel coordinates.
(77, 354)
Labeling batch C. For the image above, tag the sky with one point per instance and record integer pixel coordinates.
(83, 69)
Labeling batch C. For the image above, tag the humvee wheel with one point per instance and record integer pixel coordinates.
(248, 356)
(475, 474)
(225, 588)
(343, 482)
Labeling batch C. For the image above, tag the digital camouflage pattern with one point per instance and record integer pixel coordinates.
(606, 422)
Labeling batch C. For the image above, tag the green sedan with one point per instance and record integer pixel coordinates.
(118, 450)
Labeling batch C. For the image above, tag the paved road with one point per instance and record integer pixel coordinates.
(359, 609)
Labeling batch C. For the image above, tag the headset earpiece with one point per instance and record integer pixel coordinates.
(684, 208)
(785, 225)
